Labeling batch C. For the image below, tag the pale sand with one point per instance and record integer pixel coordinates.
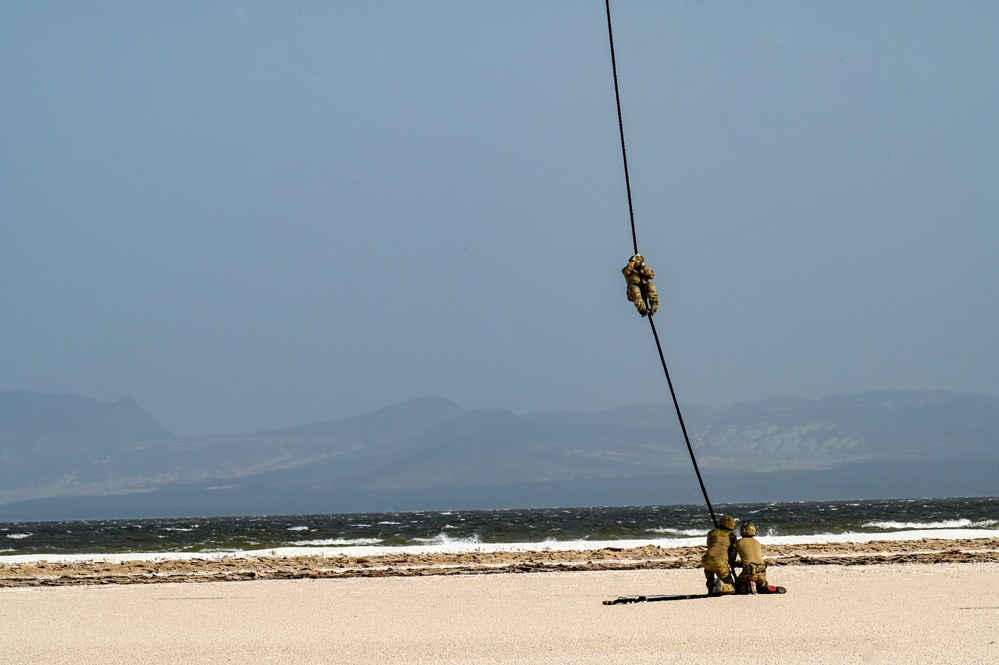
(899, 613)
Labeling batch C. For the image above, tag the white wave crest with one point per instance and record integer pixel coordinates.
(442, 539)
(336, 542)
(678, 532)
(19, 536)
(944, 524)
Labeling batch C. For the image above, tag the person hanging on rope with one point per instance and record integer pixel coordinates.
(641, 290)
(753, 578)
(720, 558)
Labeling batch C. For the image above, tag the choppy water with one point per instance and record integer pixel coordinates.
(838, 521)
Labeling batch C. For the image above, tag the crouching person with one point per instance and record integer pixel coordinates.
(754, 570)
(719, 560)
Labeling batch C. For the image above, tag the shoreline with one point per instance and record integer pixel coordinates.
(44, 571)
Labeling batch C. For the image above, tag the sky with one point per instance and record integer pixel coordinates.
(255, 215)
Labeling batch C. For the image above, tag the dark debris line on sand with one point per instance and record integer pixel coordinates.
(236, 568)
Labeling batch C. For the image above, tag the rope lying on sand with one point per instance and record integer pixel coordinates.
(235, 568)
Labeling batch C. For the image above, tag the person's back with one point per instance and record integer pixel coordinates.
(719, 541)
(720, 557)
(750, 550)
(754, 570)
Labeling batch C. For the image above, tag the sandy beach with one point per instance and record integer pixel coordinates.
(919, 601)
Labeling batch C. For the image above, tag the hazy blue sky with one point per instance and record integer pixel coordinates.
(250, 215)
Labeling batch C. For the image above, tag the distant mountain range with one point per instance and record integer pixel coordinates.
(67, 456)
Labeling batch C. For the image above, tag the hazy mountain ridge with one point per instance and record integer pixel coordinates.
(56, 446)
(875, 425)
(53, 445)
(30, 417)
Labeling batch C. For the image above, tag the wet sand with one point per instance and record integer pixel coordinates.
(920, 601)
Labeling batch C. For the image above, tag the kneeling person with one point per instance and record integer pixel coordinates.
(720, 558)
(753, 569)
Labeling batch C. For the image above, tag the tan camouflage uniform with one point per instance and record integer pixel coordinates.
(720, 558)
(641, 290)
(753, 568)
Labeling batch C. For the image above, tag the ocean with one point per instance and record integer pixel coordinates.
(459, 530)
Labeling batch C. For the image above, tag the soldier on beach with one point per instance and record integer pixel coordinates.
(641, 290)
(753, 577)
(720, 558)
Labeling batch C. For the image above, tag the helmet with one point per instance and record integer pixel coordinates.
(747, 529)
(638, 258)
(727, 522)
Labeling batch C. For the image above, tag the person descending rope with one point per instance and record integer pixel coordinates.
(641, 290)
(753, 578)
(646, 302)
(720, 557)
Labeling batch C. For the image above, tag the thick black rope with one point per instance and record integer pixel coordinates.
(620, 125)
(634, 238)
(683, 427)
